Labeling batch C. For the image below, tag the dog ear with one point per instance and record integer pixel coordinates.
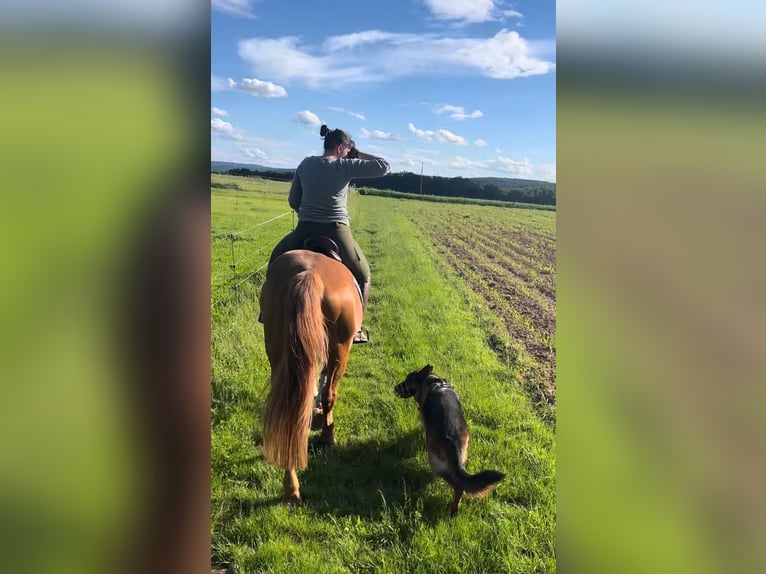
(427, 370)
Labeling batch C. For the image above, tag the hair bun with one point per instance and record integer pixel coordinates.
(324, 130)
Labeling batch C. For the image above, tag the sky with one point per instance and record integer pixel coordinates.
(450, 87)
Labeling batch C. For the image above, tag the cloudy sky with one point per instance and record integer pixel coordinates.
(455, 87)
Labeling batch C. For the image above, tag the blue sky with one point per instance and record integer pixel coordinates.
(465, 87)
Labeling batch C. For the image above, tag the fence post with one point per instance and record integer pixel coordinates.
(233, 264)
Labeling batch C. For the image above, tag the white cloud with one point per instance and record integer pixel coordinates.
(523, 167)
(239, 8)
(365, 133)
(220, 126)
(283, 59)
(415, 162)
(225, 129)
(458, 113)
(504, 56)
(308, 118)
(447, 136)
(470, 11)
(443, 136)
(254, 153)
(547, 171)
(425, 134)
(357, 115)
(479, 142)
(512, 14)
(376, 56)
(448, 108)
(219, 112)
(465, 10)
(458, 162)
(505, 166)
(468, 167)
(256, 87)
(381, 135)
(344, 41)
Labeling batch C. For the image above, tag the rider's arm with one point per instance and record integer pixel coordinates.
(296, 193)
(367, 165)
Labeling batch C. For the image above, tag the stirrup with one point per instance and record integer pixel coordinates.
(362, 336)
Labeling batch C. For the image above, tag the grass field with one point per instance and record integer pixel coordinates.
(371, 503)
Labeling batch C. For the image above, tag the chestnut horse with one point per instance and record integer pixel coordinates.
(311, 311)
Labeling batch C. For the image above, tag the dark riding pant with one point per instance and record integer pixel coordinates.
(350, 252)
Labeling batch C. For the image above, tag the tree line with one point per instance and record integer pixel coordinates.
(523, 191)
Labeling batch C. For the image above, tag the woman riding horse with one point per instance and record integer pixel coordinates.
(319, 193)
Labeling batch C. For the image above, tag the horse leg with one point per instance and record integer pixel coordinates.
(336, 367)
(317, 415)
(292, 493)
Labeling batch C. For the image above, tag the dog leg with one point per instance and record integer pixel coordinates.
(456, 501)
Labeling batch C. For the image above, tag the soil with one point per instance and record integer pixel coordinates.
(484, 271)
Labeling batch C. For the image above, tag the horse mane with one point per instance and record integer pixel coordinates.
(287, 413)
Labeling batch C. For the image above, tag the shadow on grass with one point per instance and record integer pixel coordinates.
(365, 478)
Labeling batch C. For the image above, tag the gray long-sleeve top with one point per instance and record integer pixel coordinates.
(319, 191)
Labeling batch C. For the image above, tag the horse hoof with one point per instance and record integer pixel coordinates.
(292, 500)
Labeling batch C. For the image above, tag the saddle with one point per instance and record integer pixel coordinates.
(323, 245)
(328, 247)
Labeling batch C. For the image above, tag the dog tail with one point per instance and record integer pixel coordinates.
(475, 485)
(479, 484)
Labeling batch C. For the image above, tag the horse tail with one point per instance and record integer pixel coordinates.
(287, 414)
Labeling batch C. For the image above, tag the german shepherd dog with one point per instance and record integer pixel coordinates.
(446, 434)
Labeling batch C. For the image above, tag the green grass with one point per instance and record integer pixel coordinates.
(239, 208)
(371, 503)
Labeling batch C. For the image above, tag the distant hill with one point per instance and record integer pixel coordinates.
(510, 183)
(507, 189)
(507, 183)
(224, 166)
(493, 188)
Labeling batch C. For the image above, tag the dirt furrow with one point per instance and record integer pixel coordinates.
(542, 382)
(514, 288)
(505, 253)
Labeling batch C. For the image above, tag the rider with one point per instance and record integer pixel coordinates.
(319, 193)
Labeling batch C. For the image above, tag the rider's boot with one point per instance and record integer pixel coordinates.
(362, 335)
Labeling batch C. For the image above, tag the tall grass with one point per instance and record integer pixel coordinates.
(371, 503)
